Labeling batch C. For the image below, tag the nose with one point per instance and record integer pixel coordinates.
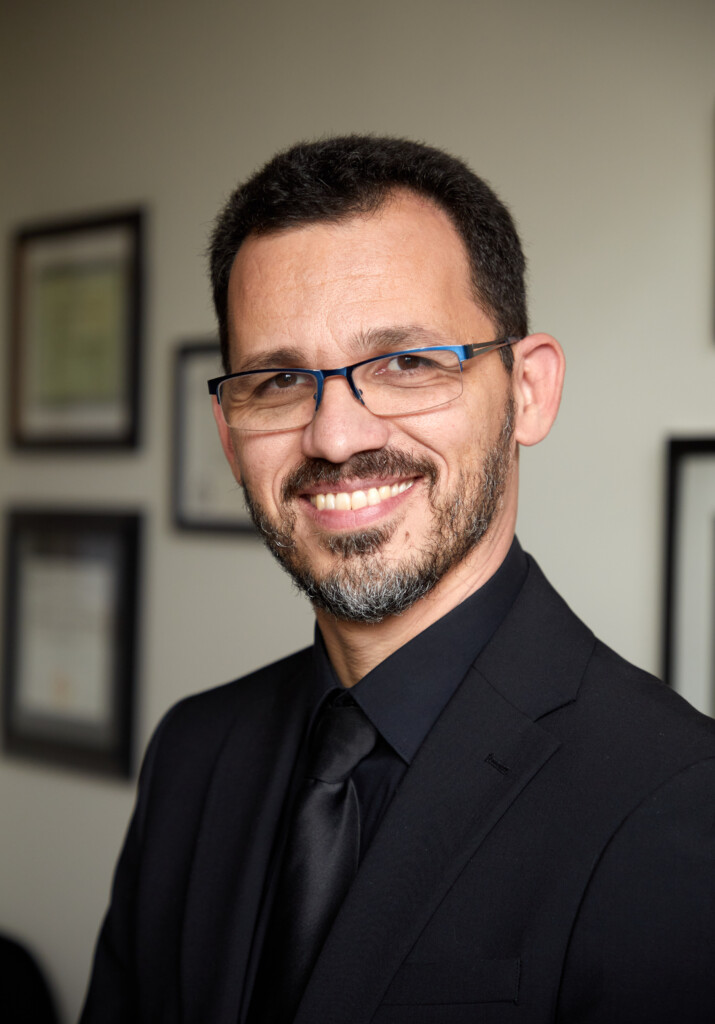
(342, 426)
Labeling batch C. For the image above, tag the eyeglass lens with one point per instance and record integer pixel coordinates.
(391, 385)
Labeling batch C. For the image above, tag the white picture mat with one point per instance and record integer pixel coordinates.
(207, 492)
(65, 643)
(693, 668)
(111, 247)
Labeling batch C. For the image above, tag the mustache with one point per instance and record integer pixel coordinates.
(361, 466)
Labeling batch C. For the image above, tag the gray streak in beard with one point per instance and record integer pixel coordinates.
(354, 598)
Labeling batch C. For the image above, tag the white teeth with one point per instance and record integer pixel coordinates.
(345, 500)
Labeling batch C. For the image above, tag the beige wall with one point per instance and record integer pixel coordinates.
(595, 122)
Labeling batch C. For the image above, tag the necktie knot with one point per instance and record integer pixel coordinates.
(343, 737)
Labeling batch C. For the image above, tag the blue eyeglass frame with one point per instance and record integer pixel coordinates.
(463, 353)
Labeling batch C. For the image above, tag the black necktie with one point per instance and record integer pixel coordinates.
(319, 863)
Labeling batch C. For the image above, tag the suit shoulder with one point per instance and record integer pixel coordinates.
(626, 708)
(262, 681)
(644, 703)
(199, 722)
(626, 734)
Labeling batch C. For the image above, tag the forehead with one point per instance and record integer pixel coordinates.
(328, 283)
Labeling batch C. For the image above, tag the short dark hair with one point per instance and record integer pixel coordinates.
(340, 177)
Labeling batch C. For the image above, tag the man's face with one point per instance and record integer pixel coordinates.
(370, 513)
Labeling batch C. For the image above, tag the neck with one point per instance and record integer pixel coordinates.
(355, 648)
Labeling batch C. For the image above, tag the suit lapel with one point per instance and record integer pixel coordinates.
(475, 762)
(484, 750)
(242, 810)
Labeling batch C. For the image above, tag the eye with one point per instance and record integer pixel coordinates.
(279, 386)
(286, 380)
(407, 363)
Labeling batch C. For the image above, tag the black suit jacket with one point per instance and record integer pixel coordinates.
(548, 857)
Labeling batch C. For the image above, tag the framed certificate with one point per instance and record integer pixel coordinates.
(71, 603)
(205, 495)
(689, 607)
(76, 323)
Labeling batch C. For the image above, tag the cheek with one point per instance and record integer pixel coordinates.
(264, 462)
(449, 437)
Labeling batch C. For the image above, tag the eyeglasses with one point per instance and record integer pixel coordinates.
(396, 384)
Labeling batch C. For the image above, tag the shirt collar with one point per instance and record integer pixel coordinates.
(404, 695)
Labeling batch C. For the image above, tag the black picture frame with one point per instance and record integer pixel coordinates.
(75, 339)
(204, 495)
(688, 646)
(71, 621)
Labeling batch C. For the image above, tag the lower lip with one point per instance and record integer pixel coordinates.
(354, 519)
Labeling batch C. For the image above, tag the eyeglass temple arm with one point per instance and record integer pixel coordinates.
(487, 346)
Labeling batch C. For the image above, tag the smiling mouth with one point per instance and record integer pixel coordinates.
(352, 500)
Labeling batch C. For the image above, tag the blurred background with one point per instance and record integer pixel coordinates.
(594, 122)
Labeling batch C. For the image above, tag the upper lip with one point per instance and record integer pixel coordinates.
(349, 486)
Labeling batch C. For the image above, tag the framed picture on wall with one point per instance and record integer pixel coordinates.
(689, 626)
(75, 341)
(205, 495)
(71, 612)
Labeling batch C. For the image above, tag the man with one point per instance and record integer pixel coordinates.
(521, 825)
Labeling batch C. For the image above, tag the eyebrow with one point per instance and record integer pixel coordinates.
(380, 339)
(366, 343)
(273, 358)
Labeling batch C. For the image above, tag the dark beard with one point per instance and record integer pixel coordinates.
(364, 588)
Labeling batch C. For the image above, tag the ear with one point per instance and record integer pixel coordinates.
(538, 379)
(225, 435)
